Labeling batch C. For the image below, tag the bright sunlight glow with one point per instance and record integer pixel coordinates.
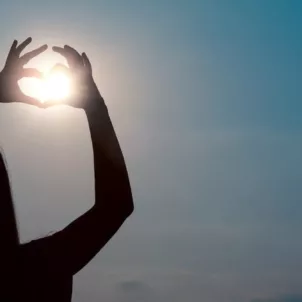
(55, 86)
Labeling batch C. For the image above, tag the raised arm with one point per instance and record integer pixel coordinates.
(69, 250)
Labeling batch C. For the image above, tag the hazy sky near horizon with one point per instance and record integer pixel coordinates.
(205, 97)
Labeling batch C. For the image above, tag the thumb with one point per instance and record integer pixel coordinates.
(49, 104)
(21, 97)
(31, 73)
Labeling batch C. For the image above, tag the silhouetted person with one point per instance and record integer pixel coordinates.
(42, 269)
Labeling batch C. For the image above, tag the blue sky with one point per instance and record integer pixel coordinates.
(205, 97)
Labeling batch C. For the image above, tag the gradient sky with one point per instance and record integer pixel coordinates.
(206, 98)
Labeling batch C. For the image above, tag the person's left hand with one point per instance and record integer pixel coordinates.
(14, 71)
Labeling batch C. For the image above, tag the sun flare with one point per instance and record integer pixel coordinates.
(55, 86)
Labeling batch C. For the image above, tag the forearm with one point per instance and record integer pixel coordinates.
(112, 186)
(69, 250)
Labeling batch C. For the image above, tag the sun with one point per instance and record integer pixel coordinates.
(55, 86)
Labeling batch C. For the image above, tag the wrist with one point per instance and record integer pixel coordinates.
(94, 101)
(96, 107)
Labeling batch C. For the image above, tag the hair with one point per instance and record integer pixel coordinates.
(9, 236)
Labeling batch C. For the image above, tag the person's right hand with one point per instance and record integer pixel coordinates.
(84, 92)
(14, 71)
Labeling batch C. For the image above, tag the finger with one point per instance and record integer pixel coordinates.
(74, 53)
(59, 50)
(21, 97)
(63, 52)
(87, 62)
(49, 104)
(12, 49)
(12, 53)
(73, 58)
(22, 46)
(30, 55)
(31, 73)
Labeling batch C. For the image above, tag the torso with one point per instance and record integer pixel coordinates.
(28, 278)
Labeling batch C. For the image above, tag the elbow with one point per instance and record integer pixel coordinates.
(127, 205)
(116, 206)
(128, 210)
(131, 209)
(120, 211)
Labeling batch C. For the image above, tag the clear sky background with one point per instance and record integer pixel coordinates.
(206, 98)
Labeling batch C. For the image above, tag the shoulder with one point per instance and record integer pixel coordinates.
(32, 253)
(37, 250)
(41, 254)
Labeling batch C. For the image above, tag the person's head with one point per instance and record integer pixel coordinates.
(9, 238)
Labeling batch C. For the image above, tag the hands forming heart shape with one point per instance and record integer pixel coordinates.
(79, 70)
